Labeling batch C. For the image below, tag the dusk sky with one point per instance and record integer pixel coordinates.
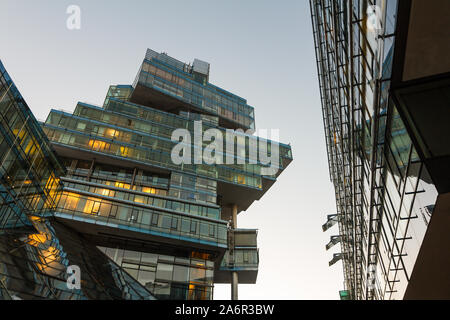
(260, 50)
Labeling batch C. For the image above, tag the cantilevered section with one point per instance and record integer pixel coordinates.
(141, 137)
(171, 85)
(244, 260)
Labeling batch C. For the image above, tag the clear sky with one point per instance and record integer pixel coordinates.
(261, 50)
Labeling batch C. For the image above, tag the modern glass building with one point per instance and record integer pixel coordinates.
(168, 228)
(35, 249)
(384, 79)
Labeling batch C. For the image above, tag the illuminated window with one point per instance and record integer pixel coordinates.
(71, 201)
(149, 190)
(36, 239)
(139, 199)
(92, 207)
(122, 185)
(124, 151)
(98, 145)
(112, 133)
(241, 179)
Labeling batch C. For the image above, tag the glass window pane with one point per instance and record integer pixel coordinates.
(164, 271)
(181, 273)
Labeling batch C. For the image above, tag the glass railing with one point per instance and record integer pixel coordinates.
(142, 219)
(243, 258)
(150, 121)
(245, 237)
(122, 92)
(162, 202)
(153, 141)
(228, 173)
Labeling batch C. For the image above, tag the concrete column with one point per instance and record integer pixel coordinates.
(234, 274)
(234, 285)
(234, 215)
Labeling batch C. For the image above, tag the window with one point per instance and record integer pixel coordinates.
(180, 273)
(174, 224)
(113, 211)
(213, 212)
(185, 225)
(164, 271)
(96, 207)
(149, 258)
(204, 229)
(155, 219)
(134, 215)
(105, 209)
(212, 230)
(132, 257)
(81, 126)
(166, 222)
(193, 227)
(146, 277)
(197, 275)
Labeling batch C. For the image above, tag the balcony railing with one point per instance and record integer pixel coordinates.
(126, 216)
(243, 259)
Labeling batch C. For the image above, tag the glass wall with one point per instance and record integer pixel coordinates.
(142, 187)
(168, 277)
(377, 174)
(121, 92)
(127, 214)
(29, 171)
(157, 75)
(246, 174)
(34, 260)
(243, 258)
(152, 121)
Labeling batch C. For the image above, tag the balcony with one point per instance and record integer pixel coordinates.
(246, 259)
(103, 219)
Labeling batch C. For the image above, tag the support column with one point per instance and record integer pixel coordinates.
(234, 274)
(234, 285)
(234, 215)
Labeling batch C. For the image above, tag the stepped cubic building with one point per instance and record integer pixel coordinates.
(99, 189)
(384, 73)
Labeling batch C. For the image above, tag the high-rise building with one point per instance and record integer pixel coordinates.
(169, 228)
(39, 255)
(384, 74)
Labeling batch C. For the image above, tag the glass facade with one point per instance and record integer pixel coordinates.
(33, 265)
(150, 141)
(384, 194)
(29, 171)
(168, 277)
(98, 189)
(180, 81)
(35, 249)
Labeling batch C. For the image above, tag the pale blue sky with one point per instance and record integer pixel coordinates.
(260, 50)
